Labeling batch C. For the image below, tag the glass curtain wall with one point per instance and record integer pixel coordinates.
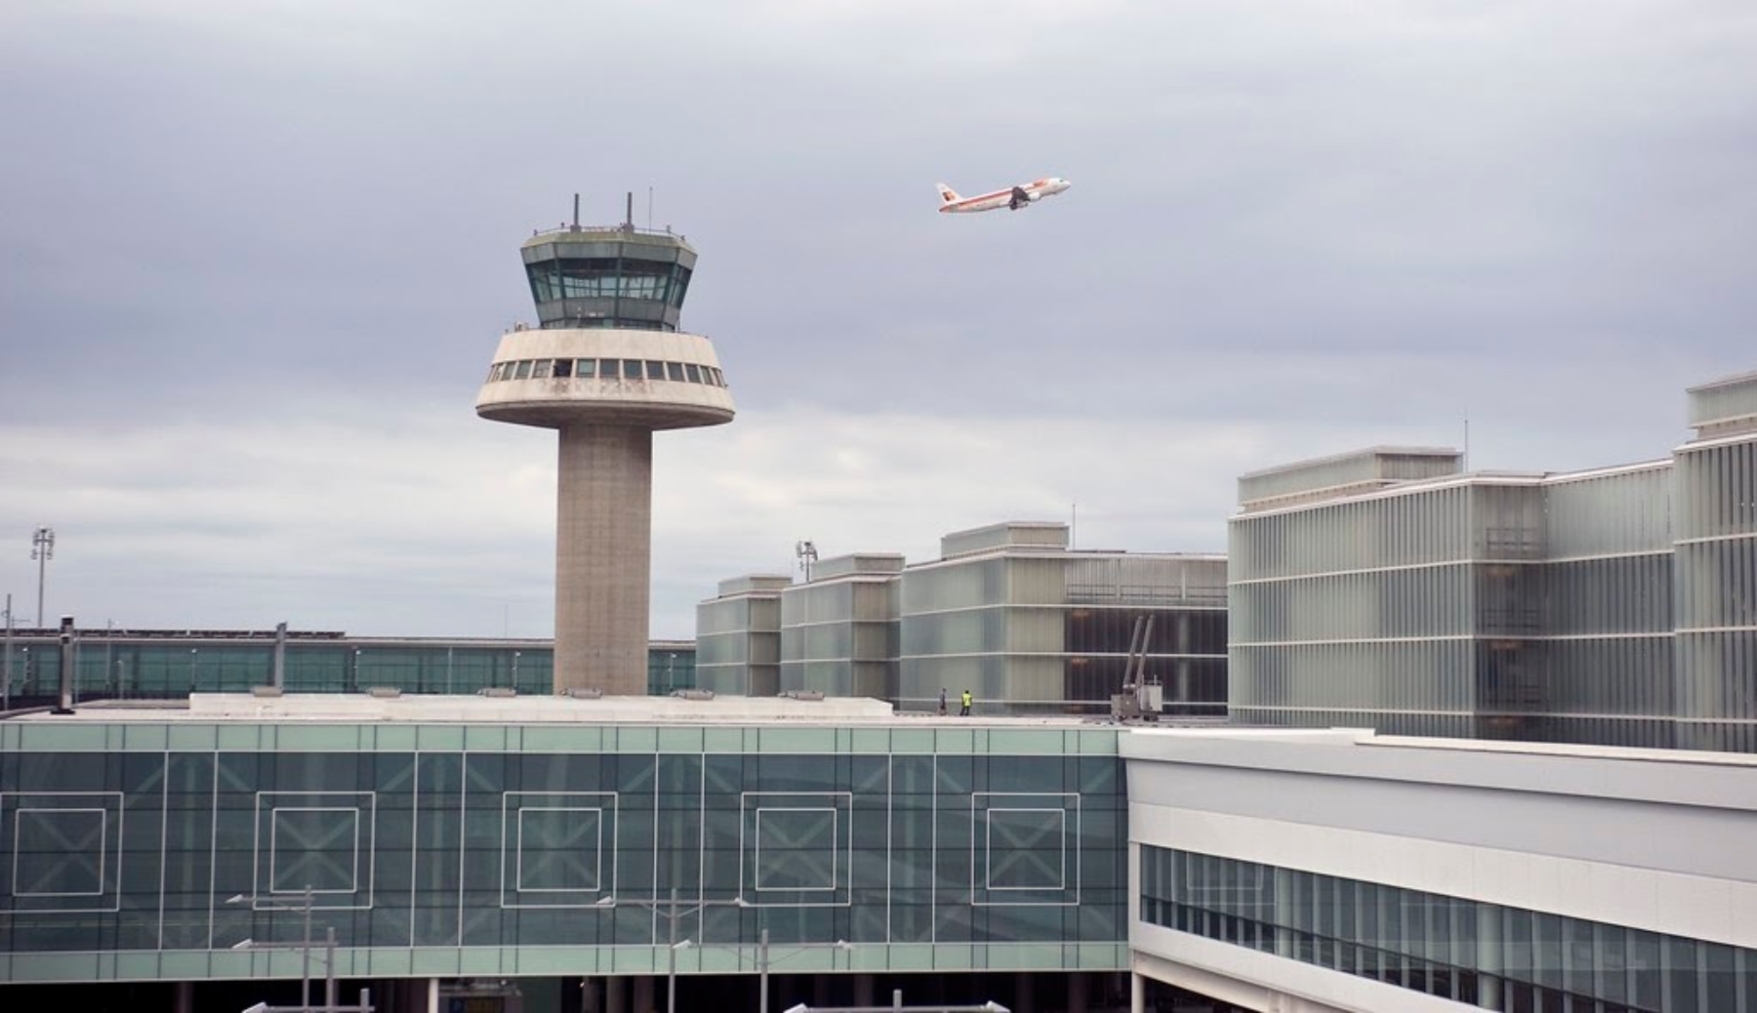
(1486, 955)
(1716, 596)
(470, 846)
(1361, 606)
(1579, 649)
(135, 666)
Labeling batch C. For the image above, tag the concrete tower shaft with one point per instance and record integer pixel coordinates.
(607, 366)
(603, 556)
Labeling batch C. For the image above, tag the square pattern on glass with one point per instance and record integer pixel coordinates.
(558, 848)
(1025, 848)
(66, 851)
(319, 839)
(796, 848)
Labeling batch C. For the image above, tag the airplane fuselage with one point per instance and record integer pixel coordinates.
(1014, 198)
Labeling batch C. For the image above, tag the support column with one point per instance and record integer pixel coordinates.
(589, 1000)
(643, 994)
(1489, 958)
(615, 994)
(603, 564)
(432, 995)
(183, 997)
(1137, 993)
(1078, 986)
(1024, 997)
(863, 989)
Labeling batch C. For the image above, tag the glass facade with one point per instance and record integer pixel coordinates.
(445, 849)
(1028, 626)
(1616, 606)
(167, 665)
(1716, 597)
(619, 277)
(1364, 605)
(1487, 955)
(1008, 612)
(738, 637)
(1486, 606)
(839, 633)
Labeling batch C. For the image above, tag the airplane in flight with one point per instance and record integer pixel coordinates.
(1012, 198)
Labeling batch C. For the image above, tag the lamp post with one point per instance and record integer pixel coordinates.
(307, 900)
(42, 550)
(763, 960)
(6, 665)
(897, 1004)
(672, 913)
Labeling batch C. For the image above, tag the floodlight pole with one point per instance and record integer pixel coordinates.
(671, 975)
(6, 666)
(762, 966)
(42, 550)
(305, 976)
(308, 900)
(329, 967)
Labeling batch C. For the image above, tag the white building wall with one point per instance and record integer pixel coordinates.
(1660, 841)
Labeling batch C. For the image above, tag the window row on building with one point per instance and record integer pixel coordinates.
(606, 369)
(151, 665)
(608, 278)
(1487, 955)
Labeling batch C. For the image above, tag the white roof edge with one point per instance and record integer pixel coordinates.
(1346, 455)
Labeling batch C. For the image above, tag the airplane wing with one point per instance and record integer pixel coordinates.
(1019, 199)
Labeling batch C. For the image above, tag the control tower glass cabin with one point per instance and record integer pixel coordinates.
(606, 366)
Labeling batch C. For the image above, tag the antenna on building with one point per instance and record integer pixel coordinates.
(1467, 439)
(1073, 523)
(628, 219)
(576, 212)
(649, 209)
(806, 551)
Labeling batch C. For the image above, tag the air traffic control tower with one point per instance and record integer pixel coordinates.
(606, 366)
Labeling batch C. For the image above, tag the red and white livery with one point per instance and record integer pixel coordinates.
(1013, 198)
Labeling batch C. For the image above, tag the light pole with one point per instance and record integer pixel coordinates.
(42, 550)
(671, 915)
(763, 962)
(897, 1004)
(306, 902)
(6, 666)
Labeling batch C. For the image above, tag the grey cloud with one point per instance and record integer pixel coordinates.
(1320, 224)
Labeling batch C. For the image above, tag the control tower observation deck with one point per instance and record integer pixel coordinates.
(606, 366)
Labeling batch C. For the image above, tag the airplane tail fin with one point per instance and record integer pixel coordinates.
(947, 194)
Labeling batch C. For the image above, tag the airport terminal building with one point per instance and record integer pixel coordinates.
(1390, 589)
(480, 827)
(569, 853)
(1008, 611)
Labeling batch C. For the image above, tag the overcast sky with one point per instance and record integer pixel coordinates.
(255, 258)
